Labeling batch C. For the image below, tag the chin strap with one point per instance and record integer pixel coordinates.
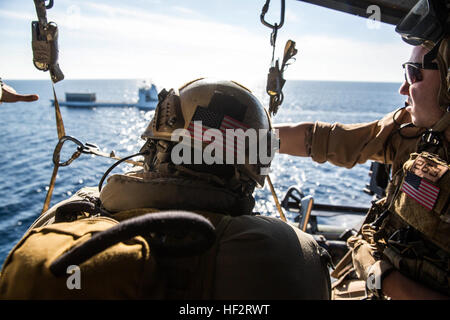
(443, 123)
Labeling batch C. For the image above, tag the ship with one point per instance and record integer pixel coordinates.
(147, 99)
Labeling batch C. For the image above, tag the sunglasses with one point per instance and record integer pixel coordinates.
(413, 73)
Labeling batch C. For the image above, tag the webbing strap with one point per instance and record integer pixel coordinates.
(59, 120)
(48, 197)
(61, 133)
(443, 123)
(275, 198)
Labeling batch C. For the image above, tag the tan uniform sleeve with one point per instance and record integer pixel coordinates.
(349, 144)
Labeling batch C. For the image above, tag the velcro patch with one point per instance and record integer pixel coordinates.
(428, 169)
(420, 190)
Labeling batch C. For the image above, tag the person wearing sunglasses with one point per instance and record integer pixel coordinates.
(402, 250)
(421, 87)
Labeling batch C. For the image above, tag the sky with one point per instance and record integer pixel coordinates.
(163, 40)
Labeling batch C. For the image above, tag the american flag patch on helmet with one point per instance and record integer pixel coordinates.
(205, 119)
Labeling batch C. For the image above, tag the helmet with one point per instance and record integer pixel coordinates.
(224, 106)
(428, 24)
(428, 20)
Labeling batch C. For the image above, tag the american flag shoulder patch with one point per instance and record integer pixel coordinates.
(421, 190)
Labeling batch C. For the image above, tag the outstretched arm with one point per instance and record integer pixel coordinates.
(295, 138)
(8, 94)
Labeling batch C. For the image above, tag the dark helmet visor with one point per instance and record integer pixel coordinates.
(427, 20)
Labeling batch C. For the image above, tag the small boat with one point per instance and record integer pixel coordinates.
(148, 100)
(148, 97)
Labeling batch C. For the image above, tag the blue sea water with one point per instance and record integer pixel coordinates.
(28, 137)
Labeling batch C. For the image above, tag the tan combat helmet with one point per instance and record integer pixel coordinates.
(220, 105)
(428, 24)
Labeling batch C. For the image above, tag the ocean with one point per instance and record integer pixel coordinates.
(28, 137)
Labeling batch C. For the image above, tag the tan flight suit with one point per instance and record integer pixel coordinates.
(347, 145)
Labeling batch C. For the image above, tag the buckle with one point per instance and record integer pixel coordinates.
(431, 137)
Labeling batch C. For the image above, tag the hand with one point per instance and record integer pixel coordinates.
(362, 256)
(10, 95)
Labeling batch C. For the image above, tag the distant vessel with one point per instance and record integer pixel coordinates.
(148, 99)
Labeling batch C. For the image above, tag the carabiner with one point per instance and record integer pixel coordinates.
(264, 11)
(89, 148)
(57, 151)
(49, 5)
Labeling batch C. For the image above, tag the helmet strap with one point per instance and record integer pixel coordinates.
(443, 123)
(433, 139)
(432, 54)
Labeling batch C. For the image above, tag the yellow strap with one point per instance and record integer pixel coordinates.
(277, 203)
(59, 120)
(61, 133)
(48, 197)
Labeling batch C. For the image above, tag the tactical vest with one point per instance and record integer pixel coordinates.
(291, 264)
(149, 275)
(127, 270)
(414, 220)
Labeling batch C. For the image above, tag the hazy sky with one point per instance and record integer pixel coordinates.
(165, 40)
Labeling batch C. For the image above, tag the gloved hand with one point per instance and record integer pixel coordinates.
(363, 251)
(362, 255)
